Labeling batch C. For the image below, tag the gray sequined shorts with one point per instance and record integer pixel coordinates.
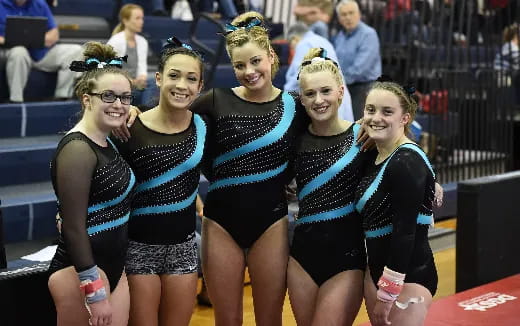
(180, 258)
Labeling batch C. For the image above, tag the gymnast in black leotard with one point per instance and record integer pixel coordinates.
(94, 186)
(395, 198)
(166, 153)
(325, 272)
(254, 129)
(250, 146)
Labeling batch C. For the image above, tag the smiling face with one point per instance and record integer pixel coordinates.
(180, 81)
(252, 66)
(321, 95)
(107, 116)
(384, 117)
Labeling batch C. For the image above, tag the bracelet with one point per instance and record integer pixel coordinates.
(88, 287)
(389, 286)
(391, 282)
(99, 295)
(92, 285)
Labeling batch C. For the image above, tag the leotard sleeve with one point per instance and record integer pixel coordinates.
(75, 165)
(408, 176)
(204, 104)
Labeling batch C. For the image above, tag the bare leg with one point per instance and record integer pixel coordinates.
(339, 299)
(120, 300)
(415, 314)
(223, 264)
(303, 292)
(177, 299)
(70, 302)
(267, 261)
(145, 296)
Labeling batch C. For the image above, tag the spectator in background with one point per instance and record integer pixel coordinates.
(302, 39)
(507, 61)
(357, 47)
(316, 14)
(52, 57)
(126, 41)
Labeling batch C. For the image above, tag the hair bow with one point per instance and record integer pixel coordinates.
(409, 89)
(173, 42)
(385, 78)
(94, 63)
(321, 58)
(323, 53)
(247, 25)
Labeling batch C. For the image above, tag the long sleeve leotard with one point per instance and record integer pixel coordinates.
(395, 199)
(94, 186)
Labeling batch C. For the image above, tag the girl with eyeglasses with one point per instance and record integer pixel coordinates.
(166, 153)
(93, 185)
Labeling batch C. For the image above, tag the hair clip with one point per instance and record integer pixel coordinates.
(173, 42)
(94, 63)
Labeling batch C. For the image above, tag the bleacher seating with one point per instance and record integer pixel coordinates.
(27, 143)
(30, 131)
(94, 8)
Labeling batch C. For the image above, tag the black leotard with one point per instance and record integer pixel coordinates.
(328, 238)
(251, 147)
(94, 187)
(395, 199)
(167, 169)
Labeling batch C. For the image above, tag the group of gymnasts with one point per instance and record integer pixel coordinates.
(127, 252)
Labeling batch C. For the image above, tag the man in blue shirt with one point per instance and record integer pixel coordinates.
(357, 46)
(52, 57)
(302, 39)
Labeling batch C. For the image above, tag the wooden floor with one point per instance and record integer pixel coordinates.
(445, 261)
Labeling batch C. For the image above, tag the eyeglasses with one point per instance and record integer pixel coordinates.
(111, 97)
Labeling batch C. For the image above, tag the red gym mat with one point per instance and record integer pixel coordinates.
(496, 303)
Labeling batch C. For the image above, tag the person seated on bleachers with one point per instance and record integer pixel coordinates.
(126, 41)
(53, 57)
(507, 61)
(316, 14)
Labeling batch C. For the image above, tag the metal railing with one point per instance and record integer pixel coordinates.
(448, 51)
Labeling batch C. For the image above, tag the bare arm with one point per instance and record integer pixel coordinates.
(2, 40)
(51, 37)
